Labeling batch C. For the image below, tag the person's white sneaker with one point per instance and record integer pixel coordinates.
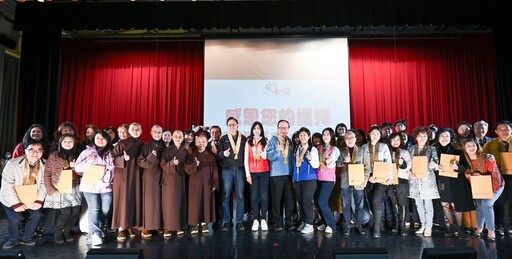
(321, 227)
(328, 230)
(428, 232)
(264, 226)
(255, 225)
(420, 231)
(96, 240)
(308, 228)
(302, 225)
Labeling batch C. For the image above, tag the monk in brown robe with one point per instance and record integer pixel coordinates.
(149, 159)
(127, 189)
(174, 202)
(201, 165)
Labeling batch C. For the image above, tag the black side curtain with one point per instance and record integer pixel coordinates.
(9, 103)
(39, 91)
(502, 45)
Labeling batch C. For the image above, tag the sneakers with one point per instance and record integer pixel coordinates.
(308, 228)
(264, 226)
(96, 240)
(499, 231)
(68, 236)
(361, 230)
(255, 225)
(59, 237)
(346, 232)
(329, 230)
(321, 227)
(240, 227)
(420, 231)
(145, 233)
(121, 235)
(204, 228)
(195, 230)
(180, 232)
(28, 242)
(301, 227)
(167, 233)
(427, 233)
(10, 245)
(225, 227)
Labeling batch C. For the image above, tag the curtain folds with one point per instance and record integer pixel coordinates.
(424, 81)
(149, 82)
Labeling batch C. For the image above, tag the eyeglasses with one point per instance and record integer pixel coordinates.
(36, 151)
(282, 128)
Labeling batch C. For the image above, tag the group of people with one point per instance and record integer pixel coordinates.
(179, 182)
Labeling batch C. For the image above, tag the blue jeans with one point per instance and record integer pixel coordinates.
(322, 201)
(347, 195)
(485, 211)
(99, 207)
(230, 177)
(15, 223)
(259, 194)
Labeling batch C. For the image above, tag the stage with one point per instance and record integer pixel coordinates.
(271, 244)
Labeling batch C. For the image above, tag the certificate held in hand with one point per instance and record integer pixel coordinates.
(419, 166)
(65, 184)
(381, 171)
(446, 161)
(93, 175)
(481, 187)
(506, 162)
(27, 194)
(355, 174)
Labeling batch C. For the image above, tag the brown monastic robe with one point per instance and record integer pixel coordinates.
(203, 178)
(127, 189)
(174, 200)
(151, 189)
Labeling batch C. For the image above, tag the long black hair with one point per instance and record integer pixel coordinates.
(102, 151)
(263, 140)
(68, 154)
(332, 134)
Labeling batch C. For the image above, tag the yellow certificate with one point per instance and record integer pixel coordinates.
(26, 193)
(446, 161)
(419, 166)
(355, 174)
(506, 162)
(381, 171)
(481, 187)
(65, 184)
(93, 175)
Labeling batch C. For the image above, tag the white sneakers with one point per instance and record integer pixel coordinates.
(328, 230)
(264, 226)
(420, 231)
(308, 228)
(321, 227)
(428, 232)
(96, 240)
(302, 225)
(255, 225)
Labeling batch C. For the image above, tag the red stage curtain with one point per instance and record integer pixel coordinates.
(424, 81)
(110, 83)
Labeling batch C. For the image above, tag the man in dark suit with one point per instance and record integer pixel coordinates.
(480, 128)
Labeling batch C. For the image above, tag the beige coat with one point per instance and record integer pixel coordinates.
(13, 175)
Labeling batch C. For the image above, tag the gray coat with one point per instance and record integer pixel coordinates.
(12, 175)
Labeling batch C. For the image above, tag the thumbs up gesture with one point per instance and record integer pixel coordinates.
(226, 152)
(175, 161)
(197, 161)
(126, 156)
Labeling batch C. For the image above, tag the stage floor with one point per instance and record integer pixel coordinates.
(269, 244)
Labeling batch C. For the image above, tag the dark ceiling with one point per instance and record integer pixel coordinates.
(353, 18)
